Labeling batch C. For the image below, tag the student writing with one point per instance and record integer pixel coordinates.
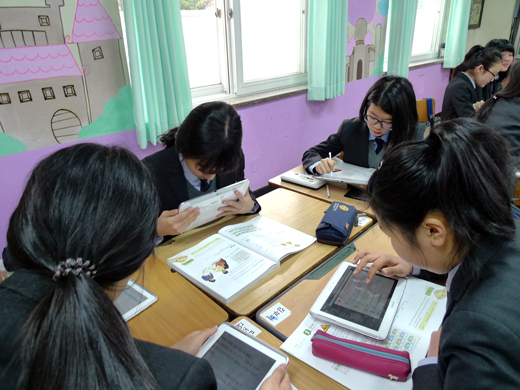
(387, 117)
(480, 66)
(202, 155)
(444, 203)
(76, 244)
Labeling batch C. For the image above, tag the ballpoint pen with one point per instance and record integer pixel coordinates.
(330, 156)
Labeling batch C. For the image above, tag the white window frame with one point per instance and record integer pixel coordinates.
(437, 37)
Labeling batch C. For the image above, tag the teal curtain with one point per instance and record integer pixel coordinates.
(327, 43)
(400, 29)
(457, 33)
(158, 67)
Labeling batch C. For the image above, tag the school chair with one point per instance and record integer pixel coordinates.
(426, 113)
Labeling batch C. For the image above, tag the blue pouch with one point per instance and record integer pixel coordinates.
(336, 225)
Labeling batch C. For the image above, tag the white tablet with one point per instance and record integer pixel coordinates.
(303, 179)
(240, 361)
(134, 299)
(211, 202)
(366, 308)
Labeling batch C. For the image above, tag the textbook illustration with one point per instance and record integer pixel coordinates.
(348, 174)
(228, 263)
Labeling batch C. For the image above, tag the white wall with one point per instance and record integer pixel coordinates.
(496, 23)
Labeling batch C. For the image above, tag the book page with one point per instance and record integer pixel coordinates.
(420, 312)
(348, 173)
(268, 238)
(221, 266)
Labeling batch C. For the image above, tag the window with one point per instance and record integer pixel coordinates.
(429, 23)
(44, 20)
(5, 98)
(24, 96)
(69, 90)
(97, 53)
(48, 93)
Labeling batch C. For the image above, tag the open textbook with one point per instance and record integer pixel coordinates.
(420, 313)
(348, 174)
(228, 263)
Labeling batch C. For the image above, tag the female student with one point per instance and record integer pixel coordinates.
(202, 155)
(479, 68)
(387, 117)
(502, 113)
(86, 221)
(507, 50)
(444, 203)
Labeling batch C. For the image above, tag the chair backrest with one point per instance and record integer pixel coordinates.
(422, 110)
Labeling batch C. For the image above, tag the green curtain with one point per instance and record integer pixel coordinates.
(457, 33)
(327, 43)
(158, 67)
(400, 39)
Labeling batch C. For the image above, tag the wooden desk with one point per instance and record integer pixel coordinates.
(290, 208)
(337, 193)
(180, 309)
(303, 376)
(300, 298)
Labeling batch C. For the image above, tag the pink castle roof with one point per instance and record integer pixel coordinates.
(19, 64)
(92, 23)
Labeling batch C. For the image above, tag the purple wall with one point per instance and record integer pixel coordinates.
(276, 134)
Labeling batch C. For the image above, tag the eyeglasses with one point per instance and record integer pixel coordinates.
(494, 75)
(374, 121)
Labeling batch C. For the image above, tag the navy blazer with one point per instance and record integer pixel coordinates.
(459, 98)
(171, 183)
(480, 336)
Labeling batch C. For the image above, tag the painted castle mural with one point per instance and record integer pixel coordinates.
(46, 94)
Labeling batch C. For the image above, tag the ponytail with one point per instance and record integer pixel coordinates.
(168, 138)
(76, 205)
(478, 55)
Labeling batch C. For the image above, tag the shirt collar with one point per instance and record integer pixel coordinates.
(451, 275)
(470, 79)
(372, 137)
(189, 176)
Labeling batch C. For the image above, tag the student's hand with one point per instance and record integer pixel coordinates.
(477, 105)
(243, 205)
(191, 343)
(279, 380)
(435, 339)
(325, 166)
(171, 223)
(390, 265)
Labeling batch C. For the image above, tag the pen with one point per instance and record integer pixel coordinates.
(328, 192)
(330, 156)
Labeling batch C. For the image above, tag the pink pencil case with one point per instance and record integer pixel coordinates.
(385, 362)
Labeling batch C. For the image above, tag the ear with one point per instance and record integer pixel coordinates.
(436, 229)
(479, 69)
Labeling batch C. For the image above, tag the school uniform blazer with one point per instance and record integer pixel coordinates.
(480, 338)
(352, 139)
(171, 183)
(19, 295)
(459, 98)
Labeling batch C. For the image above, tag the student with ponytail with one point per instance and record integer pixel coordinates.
(502, 113)
(444, 203)
(86, 221)
(202, 155)
(479, 68)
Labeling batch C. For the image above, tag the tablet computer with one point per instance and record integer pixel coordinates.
(134, 299)
(303, 179)
(211, 202)
(239, 360)
(366, 308)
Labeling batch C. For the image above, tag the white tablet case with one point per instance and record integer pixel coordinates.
(303, 179)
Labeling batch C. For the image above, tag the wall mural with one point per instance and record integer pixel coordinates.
(52, 84)
(366, 38)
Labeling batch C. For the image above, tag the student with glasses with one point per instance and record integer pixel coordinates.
(387, 117)
(480, 67)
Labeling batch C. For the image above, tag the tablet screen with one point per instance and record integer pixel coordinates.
(236, 364)
(129, 299)
(356, 301)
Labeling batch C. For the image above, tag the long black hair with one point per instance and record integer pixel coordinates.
(511, 90)
(479, 55)
(97, 203)
(212, 134)
(502, 45)
(462, 170)
(395, 96)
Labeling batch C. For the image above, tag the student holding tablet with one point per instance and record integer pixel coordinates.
(444, 203)
(76, 244)
(479, 68)
(202, 155)
(387, 117)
